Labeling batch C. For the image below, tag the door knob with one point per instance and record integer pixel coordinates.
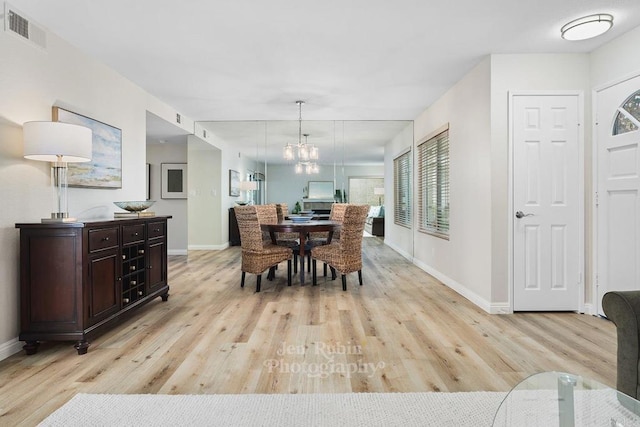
(521, 214)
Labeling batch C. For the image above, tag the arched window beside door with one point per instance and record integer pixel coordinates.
(628, 115)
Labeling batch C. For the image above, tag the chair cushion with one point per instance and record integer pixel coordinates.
(623, 309)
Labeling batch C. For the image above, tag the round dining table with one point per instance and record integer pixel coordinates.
(303, 229)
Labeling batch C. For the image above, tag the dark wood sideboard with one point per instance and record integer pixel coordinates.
(78, 279)
(234, 231)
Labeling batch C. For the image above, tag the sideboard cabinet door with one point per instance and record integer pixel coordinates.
(103, 273)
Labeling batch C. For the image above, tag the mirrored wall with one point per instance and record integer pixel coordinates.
(346, 150)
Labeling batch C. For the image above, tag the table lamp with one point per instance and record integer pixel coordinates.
(249, 187)
(379, 191)
(58, 143)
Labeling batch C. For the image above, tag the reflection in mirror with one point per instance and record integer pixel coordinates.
(320, 189)
(349, 152)
(347, 149)
(351, 158)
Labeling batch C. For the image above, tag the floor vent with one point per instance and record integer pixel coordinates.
(16, 23)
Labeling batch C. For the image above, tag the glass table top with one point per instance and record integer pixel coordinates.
(559, 399)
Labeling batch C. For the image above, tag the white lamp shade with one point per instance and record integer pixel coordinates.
(378, 191)
(57, 142)
(248, 185)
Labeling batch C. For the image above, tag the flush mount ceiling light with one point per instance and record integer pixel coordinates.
(587, 27)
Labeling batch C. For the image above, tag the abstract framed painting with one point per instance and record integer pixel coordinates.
(105, 168)
(234, 183)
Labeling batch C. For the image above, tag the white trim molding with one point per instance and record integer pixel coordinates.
(176, 252)
(405, 254)
(208, 247)
(489, 307)
(10, 348)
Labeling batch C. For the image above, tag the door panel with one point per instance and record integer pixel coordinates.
(546, 190)
(618, 190)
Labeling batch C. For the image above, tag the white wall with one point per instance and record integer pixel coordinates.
(177, 226)
(544, 72)
(616, 60)
(205, 196)
(475, 259)
(284, 186)
(397, 237)
(464, 261)
(31, 83)
(226, 158)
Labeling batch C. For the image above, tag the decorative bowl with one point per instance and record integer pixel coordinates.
(300, 218)
(241, 202)
(135, 205)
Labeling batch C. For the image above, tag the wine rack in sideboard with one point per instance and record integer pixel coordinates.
(78, 279)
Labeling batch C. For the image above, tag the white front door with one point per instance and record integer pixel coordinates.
(618, 188)
(547, 201)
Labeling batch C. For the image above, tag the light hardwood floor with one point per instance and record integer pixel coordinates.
(402, 331)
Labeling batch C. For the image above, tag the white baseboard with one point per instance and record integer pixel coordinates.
(591, 309)
(500, 308)
(10, 348)
(208, 247)
(176, 252)
(407, 255)
(491, 308)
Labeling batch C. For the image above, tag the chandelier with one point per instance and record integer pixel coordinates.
(306, 154)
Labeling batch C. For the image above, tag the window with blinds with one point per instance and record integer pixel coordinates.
(433, 185)
(402, 189)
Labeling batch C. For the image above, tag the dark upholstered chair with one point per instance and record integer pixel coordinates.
(623, 309)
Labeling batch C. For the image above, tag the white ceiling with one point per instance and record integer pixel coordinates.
(219, 60)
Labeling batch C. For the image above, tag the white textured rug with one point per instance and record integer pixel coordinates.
(353, 409)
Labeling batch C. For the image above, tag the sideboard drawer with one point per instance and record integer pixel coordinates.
(156, 229)
(132, 233)
(103, 238)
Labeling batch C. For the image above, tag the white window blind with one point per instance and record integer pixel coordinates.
(402, 190)
(433, 185)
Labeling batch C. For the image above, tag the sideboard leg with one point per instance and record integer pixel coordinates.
(31, 347)
(165, 297)
(82, 346)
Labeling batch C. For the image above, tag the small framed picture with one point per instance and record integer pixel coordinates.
(174, 180)
(234, 183)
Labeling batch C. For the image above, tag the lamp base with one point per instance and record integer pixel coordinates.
(58, 220)
(58, 217)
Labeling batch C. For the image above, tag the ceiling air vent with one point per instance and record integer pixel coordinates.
(17, 24)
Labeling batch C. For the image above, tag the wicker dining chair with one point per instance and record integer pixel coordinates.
(344, 255)
(285, 239)
(337, 214)
(259, 254)
(320, 238)
(290, 240)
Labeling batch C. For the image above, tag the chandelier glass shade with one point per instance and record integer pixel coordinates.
(306, 154)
